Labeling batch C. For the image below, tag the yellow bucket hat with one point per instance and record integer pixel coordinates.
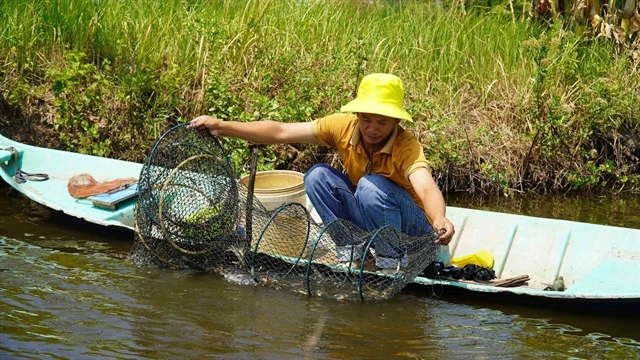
(380, 94)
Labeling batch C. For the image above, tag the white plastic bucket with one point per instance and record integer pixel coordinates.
(273, 189)
(276, 187)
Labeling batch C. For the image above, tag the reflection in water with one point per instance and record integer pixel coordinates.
(69, 293)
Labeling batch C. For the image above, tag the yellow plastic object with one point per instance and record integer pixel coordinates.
(482, 258)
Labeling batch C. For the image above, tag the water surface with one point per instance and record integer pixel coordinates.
(67, 291)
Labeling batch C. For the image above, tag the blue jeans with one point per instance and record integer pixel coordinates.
(374, 203)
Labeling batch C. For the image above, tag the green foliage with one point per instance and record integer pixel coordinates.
(79, 89)
(114, 75)
(591, 174)
(578, 107)
(443, 148)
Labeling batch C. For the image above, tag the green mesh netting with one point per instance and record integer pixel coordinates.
(193, 212)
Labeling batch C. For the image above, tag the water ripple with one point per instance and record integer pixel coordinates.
(59, 302)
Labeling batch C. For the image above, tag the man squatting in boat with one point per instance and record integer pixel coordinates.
(387, 181)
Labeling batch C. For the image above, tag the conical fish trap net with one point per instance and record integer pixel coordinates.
(194, 212)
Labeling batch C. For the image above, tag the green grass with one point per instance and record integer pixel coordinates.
(500, 103)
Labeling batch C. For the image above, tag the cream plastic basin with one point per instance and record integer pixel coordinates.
(276, 187)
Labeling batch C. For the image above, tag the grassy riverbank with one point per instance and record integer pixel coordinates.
(500, 105)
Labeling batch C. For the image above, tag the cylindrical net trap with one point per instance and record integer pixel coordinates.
(193, 212)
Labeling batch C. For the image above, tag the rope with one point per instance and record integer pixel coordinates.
(22, 176)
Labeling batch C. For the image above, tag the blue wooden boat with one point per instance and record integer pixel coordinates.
(60, 166)
(600, 264)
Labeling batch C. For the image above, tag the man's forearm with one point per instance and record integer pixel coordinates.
(259, 132)
(434, 206)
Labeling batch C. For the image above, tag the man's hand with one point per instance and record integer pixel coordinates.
(206, 123)
(445, 229)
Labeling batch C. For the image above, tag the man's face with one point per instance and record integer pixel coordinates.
(375, 128)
